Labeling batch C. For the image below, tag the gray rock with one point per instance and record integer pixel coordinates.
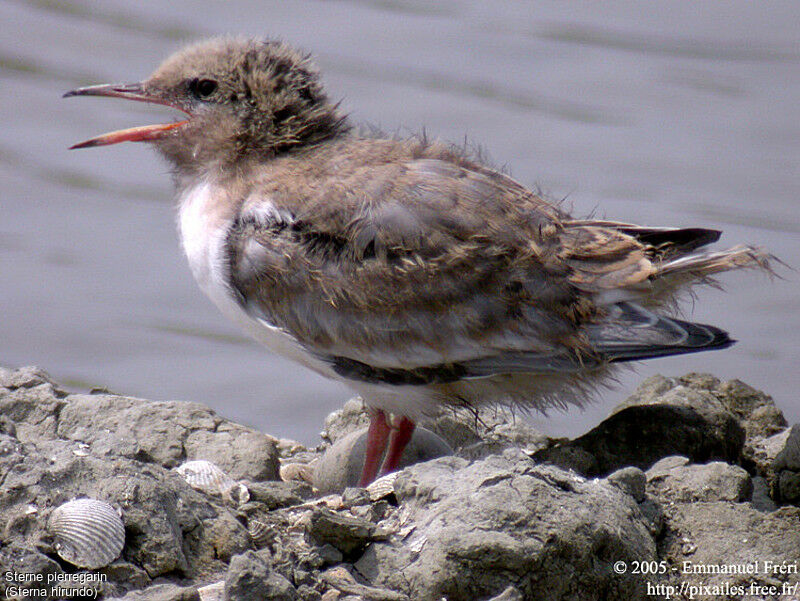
(756, 410)
(472, 529)
(714, 481)
(495, 526)
(18, 559)
(341, 580)
(163, 592)
(278, 494)
(127, 574)
(724, 533)
(24, 377)
(168, 433)
(510, 594)
(31, 411)
(348, 534)
(241, 452)
(355, 496)
(653, 516)
(329, 554)
(630, 480)
(789, 487)
(761, 499)
(251, 577)
(665, 416)
(490, 429)
(569, 456)
(342, 463)
(664, 466)
(788, 458)
(777, 459)
(353, 416)
(89, 446)
(763, 451)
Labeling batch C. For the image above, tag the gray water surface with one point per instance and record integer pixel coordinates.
(669, 113)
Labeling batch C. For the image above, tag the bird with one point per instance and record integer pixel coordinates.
(409, 268)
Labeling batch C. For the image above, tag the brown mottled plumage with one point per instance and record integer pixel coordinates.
(404, 267)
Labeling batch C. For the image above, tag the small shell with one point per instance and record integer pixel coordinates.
(208, 478)
(382, 487)
(88, 533)
(297, 472)
(260, 532)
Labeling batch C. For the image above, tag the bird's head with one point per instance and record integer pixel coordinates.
(242, 99)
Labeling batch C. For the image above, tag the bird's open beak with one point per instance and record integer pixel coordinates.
(132, 91)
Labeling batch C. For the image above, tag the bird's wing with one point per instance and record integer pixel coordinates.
(424, 263)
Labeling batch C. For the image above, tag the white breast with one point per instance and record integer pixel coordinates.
(203, 234)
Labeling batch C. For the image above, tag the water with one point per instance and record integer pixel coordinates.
(668, 113)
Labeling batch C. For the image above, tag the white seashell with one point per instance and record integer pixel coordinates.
(382, 487)
(88, 533)
(82, 450)
(208, 478)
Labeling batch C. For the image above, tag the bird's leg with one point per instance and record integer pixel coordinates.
(377, 435)
(402, 429)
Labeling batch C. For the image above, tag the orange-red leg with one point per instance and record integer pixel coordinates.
(377, 437)
(402, 429)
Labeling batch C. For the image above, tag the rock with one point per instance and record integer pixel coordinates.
(763, 451)
(212, 592)
(30, 410)
(653, 516)
(354, 496)
(329, 554)
(353, 416)
(347, 534)
(241, 452)
(278, 494)
(510, 594)
(756, 410)
(664, 466)
(168, 433)
(297, 472)
(722, 533)
(18, 559)
(777, 458)
(250, 577)
(86, 447)
(487, 524)
(715, 481)
(789, 487)
(569, 456)
(342, 463)
(630, 480)
(477, 433)
(24, 377)
(665, 416)
(761, 499)
(471, 529)
(788, 458)
(340, 579)
(163, 592)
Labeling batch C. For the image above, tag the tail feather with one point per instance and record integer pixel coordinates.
(664, 242)
(627, 333)
(632, 333)
(709, 263)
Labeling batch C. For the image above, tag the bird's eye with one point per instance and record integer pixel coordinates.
(202, 88)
